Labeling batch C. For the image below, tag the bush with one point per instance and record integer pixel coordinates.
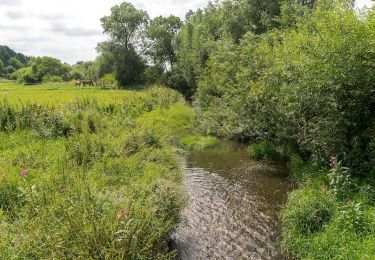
(154, 75)
(307, 211)
(299, 170)
(108, 80)
(302, 85)
(197, 142)
(25, 76)
(340, 181)
(52, 78)
(264, 150)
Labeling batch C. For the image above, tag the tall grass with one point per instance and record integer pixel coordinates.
(90, 179)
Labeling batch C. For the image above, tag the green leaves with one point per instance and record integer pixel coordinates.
(303, 85)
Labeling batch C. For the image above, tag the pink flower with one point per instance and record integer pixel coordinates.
(24, 173)
(123, 214)
(333, 160)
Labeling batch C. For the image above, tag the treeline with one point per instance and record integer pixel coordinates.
(48, 69)
(11, 61)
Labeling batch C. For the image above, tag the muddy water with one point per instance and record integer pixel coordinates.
(233, 207)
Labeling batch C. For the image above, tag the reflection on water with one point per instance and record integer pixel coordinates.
(233, 206)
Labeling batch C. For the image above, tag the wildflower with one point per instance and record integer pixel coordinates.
(24, 173)
(333, 160)
(123, 214)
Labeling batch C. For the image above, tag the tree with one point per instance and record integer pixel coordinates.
(15, 63)
(86, 70)
(1, 67)
(8, 70)
(302, 86)
(25, 76)
(162, 31)
(48, 66)
(127, 41)
(105, 64)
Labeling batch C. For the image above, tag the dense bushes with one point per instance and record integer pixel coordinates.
(303, 86)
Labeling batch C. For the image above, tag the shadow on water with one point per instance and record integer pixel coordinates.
(233, 207)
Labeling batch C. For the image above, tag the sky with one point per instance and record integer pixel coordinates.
(70, 29)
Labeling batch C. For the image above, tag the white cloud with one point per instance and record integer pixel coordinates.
(70, 29)
(364, 3)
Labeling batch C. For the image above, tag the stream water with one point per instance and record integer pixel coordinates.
(233, 206)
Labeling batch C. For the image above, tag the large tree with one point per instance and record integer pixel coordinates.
(15, 63)
(48, 66)
(127, 42)
(161, 32)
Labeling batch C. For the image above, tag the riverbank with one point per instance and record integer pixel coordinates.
(91, 175)
(330, 215)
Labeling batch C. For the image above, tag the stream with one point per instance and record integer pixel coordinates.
(233, 205)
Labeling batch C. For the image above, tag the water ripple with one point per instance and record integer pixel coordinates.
(233, 206)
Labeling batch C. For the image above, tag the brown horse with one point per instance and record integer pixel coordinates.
(78, 84)
(87, 82)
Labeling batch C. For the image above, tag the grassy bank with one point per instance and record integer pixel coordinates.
(92, 176)
(330, 215)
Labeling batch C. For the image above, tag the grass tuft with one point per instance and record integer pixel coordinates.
(197, 142)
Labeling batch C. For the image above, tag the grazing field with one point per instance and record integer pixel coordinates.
(60, 93)
(89, 174)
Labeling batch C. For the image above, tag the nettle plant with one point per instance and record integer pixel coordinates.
(340, 180)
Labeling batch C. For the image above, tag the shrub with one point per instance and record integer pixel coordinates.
(52, 78)
(263, 150)
(307, 211)
(197, 142)
(108, 80)
(340, 181)
(299, 170)
(353, 217)
(25, 76)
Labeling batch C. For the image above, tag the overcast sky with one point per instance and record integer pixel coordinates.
(70, 29)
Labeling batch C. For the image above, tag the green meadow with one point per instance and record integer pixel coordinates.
(60, 93)
(93, 176)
